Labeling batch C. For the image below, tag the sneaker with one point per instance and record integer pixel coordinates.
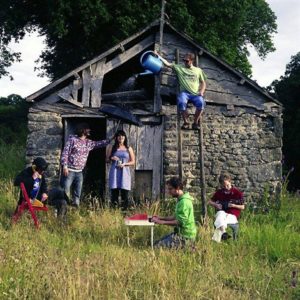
(195, 126)
(217, 236)
(185, 126)
(225, 236)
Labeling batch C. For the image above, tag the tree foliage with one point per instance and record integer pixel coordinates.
(76, 31)
(287, 89)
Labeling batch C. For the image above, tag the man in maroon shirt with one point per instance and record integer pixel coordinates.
(229, 203)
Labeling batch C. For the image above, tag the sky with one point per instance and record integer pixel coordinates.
(287, 43)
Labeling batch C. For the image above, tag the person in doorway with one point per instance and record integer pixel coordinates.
(229, 202)
(122, 158)
(183, 220)
(192, 87)
(34, 181)
(74, 158)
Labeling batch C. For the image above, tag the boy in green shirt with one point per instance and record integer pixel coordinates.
(183, 221)
(192, 87)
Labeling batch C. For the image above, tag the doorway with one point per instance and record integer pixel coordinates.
(94, 171)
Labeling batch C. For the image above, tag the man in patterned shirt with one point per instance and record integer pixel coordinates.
(74, 158)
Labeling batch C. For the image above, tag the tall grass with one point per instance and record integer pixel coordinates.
(87, 257)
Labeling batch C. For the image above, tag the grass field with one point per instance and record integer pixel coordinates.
(88, 258)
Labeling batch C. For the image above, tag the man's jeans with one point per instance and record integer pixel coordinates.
(173, 241)
(74, 179)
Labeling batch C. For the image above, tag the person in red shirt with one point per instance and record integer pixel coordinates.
(229, 202)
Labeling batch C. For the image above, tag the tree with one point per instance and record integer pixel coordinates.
(12, 99)
(76, 31)
(287, 90)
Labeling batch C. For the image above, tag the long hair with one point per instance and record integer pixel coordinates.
(116, 144)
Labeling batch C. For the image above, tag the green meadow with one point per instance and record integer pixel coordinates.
(87, 257)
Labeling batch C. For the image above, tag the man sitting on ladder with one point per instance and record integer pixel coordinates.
(192, 87)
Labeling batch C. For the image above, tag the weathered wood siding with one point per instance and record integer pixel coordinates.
(146, 142)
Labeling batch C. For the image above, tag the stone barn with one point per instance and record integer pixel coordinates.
(241, 130)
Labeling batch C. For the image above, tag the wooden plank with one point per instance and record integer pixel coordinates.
(74, 102)
(201, 159)
(179, 133)
(110, 130)
(157, 161)
(127, 95)
(157, 102)
(129, 53)
(86, 79)
(66, 115)
(65, 93)
(229, 99)
(51, 99)
(143, 185)
(144, 150)
(96, 83)
(77, 84)
(131, 133)
(202, 174)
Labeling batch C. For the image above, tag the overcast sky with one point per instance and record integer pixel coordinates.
(287, 43)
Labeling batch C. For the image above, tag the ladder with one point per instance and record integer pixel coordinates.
(191, 139)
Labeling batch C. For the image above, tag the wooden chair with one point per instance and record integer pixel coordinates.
(27, 205)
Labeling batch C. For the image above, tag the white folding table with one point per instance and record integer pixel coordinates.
(129, 222)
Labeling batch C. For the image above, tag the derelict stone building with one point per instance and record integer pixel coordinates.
(242, 124)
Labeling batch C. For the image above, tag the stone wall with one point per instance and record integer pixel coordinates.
(45, 139)
(244, 142)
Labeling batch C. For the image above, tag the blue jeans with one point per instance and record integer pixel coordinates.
(75, 180)
(171, 241)
(184, 97)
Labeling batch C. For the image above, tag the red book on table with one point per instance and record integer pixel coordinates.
(138, 217)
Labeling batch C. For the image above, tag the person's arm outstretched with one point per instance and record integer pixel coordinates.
(165, 62)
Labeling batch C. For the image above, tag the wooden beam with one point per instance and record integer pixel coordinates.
(202, 174)
(127, 95)
(86, 80)
(74, 102)
(157, 102)
(96, 83)
(65, 94)
(179, 133)
(77, 84)
(129, 53)
(201, 158)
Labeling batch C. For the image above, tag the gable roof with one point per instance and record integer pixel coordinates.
(47, 89)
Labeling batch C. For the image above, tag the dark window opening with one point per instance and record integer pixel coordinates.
(125, 78)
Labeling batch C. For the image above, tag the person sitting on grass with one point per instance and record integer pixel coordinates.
(184, 222)
(229, 202)
(34, 181)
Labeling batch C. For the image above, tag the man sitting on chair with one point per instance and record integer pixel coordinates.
(228, 202)
(34, 181)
